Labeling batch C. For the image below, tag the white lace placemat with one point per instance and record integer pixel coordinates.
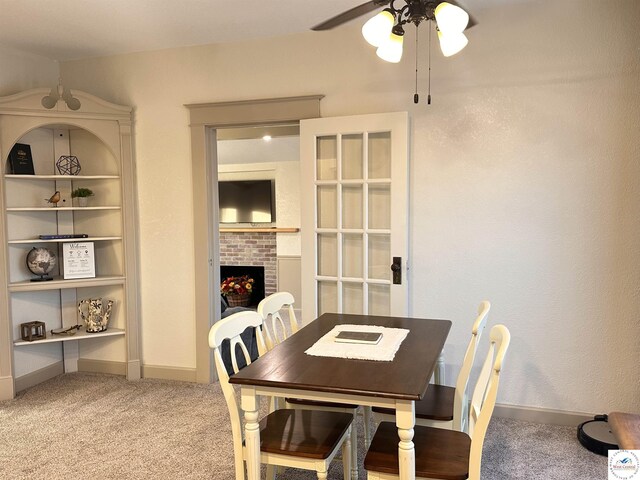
(384, 351)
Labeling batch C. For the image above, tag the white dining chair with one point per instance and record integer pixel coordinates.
(288, 437)
(443, 406)
(440, 453)
(276, 330)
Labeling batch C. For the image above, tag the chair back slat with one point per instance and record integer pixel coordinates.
(460, 402)
(230, 329)
(276, 329)
(237, 342)
(484, 396)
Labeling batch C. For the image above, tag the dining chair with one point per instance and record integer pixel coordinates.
(440, 453)
(288, 438)
(276, 330)
(443, 406)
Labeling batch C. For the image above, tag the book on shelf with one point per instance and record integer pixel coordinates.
(20, 159)
(63, 236)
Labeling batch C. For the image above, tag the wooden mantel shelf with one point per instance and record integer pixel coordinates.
(259, 230)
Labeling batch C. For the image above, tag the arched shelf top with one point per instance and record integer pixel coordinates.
(29, 102)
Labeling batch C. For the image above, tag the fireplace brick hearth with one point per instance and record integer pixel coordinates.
(253, 249)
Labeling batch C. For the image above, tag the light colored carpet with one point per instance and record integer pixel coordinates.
(89, 426)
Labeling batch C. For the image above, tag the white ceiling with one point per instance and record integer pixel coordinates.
(74, 29)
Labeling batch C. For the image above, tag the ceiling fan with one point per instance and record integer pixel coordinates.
(386, 29)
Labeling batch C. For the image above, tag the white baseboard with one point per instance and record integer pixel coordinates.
(39, 376)
(134, 370)
(180, 374)
(541, 415)
(6, 388)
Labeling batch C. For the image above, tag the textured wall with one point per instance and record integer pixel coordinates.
(524, 181)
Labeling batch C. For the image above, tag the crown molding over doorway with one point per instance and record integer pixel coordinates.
(204, 118)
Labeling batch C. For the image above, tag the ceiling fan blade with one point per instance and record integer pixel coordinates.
(349, 15)
(472, 21)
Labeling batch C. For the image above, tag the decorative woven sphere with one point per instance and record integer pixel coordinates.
(68, 165)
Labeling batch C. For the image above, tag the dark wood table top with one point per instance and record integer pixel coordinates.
(405, 378)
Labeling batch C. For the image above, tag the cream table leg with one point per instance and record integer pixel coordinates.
(438, 374)
(250, 406)
(405, 421)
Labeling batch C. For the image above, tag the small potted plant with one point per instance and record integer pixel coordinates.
(82, 194)
(237, 290)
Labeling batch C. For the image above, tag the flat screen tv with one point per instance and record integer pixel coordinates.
(246, 201)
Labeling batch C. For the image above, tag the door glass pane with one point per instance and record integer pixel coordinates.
(327, 297)
(327, 154)
(352, 206)
(352, 297)
(352, 157)
(328, 254)
(352, 255)
(379, 257)
(380, 155)
(379, 299)
(327, 206)
(380, 206)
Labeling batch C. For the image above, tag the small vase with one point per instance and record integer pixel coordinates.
(83, 201)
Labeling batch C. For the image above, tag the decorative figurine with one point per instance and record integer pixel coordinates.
(95, 317)
(68, 165)
(55, 198)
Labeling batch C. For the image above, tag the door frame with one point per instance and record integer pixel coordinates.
(204, 119)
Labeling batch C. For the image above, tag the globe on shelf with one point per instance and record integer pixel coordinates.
(41, 261)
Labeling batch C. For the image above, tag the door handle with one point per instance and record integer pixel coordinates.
(396, 268)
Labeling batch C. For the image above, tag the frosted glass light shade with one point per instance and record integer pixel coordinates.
(450, 18)
(391, 50)
(452, 43)
(378, 28)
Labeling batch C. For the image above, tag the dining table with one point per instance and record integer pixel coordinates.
(287, 371)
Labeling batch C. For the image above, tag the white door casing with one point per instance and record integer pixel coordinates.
(355, 214)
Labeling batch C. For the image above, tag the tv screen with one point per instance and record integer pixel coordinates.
(246, 201)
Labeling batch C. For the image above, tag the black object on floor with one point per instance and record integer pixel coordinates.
(595, 435)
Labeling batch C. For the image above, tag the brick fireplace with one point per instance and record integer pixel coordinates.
(253, 249)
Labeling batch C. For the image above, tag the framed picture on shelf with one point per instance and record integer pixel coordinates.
(78, 260)
(20, 159)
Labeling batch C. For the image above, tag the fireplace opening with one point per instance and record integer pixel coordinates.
(257, 273)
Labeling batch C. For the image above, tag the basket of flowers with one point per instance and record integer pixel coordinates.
(237, 290)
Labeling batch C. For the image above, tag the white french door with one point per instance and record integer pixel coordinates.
(354, 215)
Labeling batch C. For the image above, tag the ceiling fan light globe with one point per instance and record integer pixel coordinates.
(452, 43)
(451, 18)
(391, 50)
(377, 29)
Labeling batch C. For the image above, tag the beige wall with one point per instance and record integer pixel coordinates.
(524, 181)
(22, 71)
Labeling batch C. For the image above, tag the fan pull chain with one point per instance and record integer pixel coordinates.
(429, 84)
(416, 97)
